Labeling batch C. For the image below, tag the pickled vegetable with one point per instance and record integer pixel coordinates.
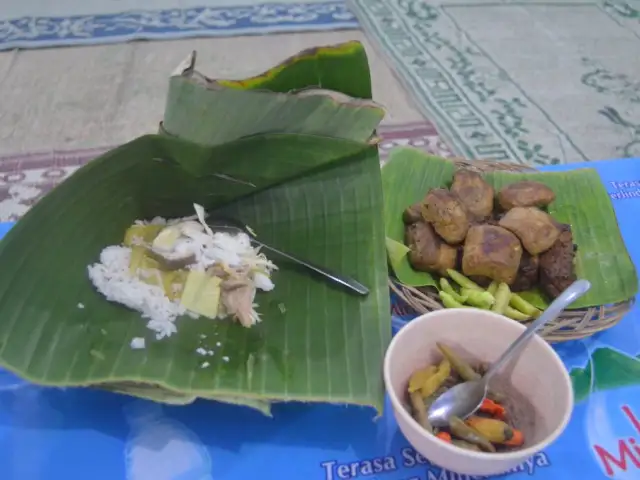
(503, 295)
(517, 440)
(496, 431)
(478, 299)
(459, 365)
(447, 288)
(480, 432)
(419, 411)
(515, 314)
(463, 281)
(420, 377)
(469, 434)
(465, 370)
(493, 408)
(520, 304)
(448, 301)
(437, 379)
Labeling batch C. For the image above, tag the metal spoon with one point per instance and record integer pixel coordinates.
(231, 224)
(464, 399)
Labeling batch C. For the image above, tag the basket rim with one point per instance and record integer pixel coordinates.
(572, 324)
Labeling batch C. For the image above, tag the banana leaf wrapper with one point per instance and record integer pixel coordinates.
(304, 191)
(162, 395)
(327, 345)
(581, 201)
(322, 91)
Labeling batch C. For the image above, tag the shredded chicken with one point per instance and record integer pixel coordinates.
(237, 298)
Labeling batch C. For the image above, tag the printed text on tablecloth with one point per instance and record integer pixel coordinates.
(407, 459)
(625, 189)
(628, 455)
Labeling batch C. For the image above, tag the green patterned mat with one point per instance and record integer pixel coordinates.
(533, 82)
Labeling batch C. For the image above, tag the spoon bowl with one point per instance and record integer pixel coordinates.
(464, 399)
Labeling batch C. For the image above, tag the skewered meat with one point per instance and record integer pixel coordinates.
(527, 277)
(448, 215)
(536, 229)
(525, 194)
(556, 264)
(493, 252)
(428, 252)
(474, 193)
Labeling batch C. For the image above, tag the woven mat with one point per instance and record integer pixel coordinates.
(535, 82)
(47, 23)
(25, 178)
(81, 97)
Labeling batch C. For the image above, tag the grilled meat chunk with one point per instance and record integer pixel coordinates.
(557, 270)
(527, 276)
(525, 194)
(492, 252)
(412, 214)
(484, 282)
(447, 214)
(428, 252)
(536, 229)
(474, 193)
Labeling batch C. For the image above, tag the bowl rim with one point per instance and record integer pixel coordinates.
(502, 456)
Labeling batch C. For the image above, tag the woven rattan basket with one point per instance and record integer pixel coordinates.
(571, 325)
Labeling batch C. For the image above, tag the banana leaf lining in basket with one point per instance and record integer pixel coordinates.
(571, 325)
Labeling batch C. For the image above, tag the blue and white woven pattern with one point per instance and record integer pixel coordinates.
(38, 32)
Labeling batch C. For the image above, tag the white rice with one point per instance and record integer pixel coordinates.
(137, 342)
(112, 279)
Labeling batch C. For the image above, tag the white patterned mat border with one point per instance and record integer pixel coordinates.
(536, 82)
(25, 178)
(40, 32)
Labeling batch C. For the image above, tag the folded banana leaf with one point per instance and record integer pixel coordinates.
(581, 201)
(321, 91)
(327, 345)
(306, 189)
(163, 395)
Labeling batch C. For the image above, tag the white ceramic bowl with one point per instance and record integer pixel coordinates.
(537, 376)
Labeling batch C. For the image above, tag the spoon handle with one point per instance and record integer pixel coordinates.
(350, 283)
(566, 298)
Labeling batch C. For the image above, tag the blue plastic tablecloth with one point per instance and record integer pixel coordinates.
(80, 434)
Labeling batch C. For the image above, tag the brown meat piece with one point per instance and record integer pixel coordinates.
(459, 253)
(449, 217)
(536, 229)
(492, 252)
(474, 193)
(525, 194)
(527, 277)
(428, 252)
(412, 214)
(556, 264)
(480, 280)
